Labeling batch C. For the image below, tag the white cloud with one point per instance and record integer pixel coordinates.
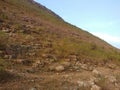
(114, 40)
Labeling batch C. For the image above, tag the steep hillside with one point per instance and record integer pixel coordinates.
(35, 39)
(26, 23)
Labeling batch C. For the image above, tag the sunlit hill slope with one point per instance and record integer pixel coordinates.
(30, 32)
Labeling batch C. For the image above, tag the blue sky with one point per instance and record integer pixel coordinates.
(100, 17)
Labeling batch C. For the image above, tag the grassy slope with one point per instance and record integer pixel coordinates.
(56, 36)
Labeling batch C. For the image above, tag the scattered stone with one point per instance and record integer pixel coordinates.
(67, 60)
(59, 68)
(96, 72)
(85, 83)
(11, 34)
(111, 66)
(37, 63)
(95, 87)
(73, 57)
(77, 68)
(18, 61)
(66, 64)
(91, 82)
(33, 88)
(112, 79)
(6, 30)
(22, 61)
(93, 79)
(56, 67)
(51, 67)
(32, 80)
(80, 83)
(8, 57)
(1, 52)
(86, 67)
(90, 68)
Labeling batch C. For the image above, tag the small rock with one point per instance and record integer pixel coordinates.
(6, 30)
(76, 68)
(86, 67)
(59, 68)
(80, 83)
(8, 57)
(56, 67)
(96, 72)
(34, 88)
(1, 52)
(93, 79)
(67, 59)
(66, 64)
(112, 79)
(51, 67)
(32, 80)
(37, 63)
(73, 57)
(95, 87)
(111, 66)
(91, 82)
(85, 83)
(90, 68)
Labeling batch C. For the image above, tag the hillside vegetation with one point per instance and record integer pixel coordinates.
(32, 36)
(25, 23)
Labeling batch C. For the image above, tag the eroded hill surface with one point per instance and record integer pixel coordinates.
(40, 51)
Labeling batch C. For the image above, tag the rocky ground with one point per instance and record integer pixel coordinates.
(39, 51)
(57, 77)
